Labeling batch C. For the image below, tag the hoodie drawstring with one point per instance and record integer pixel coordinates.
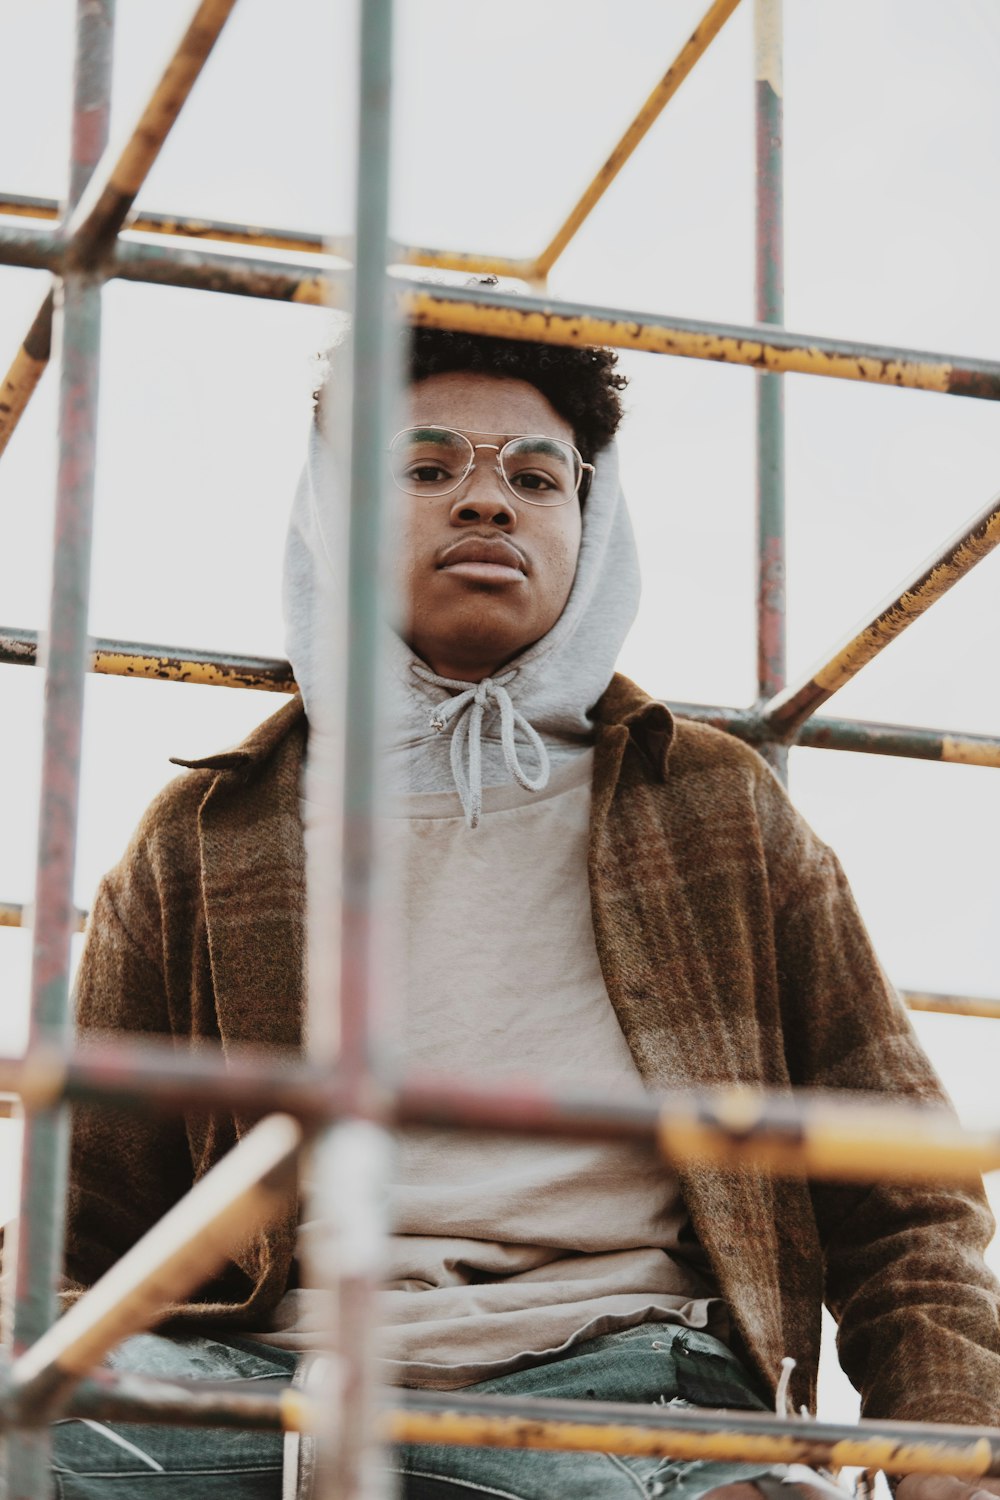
(467, 710)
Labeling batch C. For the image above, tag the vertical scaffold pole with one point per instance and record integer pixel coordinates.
(351, 1159)
(770, 308)
(39, 1248)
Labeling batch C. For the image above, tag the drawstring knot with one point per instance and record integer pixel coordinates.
(466, 711)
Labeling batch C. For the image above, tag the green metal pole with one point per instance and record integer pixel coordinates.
(770, 308)
(351, 1158)
(44, 1154)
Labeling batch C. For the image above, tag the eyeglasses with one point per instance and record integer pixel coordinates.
(538, 470)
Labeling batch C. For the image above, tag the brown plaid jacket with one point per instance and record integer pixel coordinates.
(732, 951)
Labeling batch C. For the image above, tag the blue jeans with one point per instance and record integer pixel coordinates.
(652, 1364)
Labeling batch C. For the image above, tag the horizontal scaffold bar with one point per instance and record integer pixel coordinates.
(790, 708)
(164, 663)
(797, 1133)
(859, 735)
(583, 1426)
(294, 241)
(482, 310)
(13, 914)
(19, 647)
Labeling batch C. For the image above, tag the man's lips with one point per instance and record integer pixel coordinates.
(484, 560)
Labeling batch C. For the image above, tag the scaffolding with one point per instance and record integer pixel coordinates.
(345, 1111)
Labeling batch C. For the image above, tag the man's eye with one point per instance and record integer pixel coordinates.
(530, 481)
(427, 473)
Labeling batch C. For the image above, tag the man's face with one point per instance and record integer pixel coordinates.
(483, 573)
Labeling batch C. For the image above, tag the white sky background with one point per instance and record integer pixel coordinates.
(892, 119)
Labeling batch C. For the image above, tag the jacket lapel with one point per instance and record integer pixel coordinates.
(253, 873)
(661, 975)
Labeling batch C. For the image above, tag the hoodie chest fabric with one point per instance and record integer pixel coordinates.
(680, 918)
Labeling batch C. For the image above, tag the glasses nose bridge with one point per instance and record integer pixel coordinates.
(497, 449)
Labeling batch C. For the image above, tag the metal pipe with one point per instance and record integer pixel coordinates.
(787, 710)
(37, 1249)
(246, 1189)
(770, 389)
(860, 736)
(953, 1005)
(12, 914)
(479, 310)
(111, 187)
(298, 241)
(351, 1157)
(26, 370)
(462, 1419)
(696, 45)
(162, 663)
(787, 1133)
(18, 647)
(658, 1432)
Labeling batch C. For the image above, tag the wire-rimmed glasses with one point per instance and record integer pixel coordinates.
(538, 470)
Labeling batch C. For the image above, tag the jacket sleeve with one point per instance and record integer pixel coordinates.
(918, 1309)
(126, 1168)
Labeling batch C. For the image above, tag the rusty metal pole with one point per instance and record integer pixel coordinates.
(39, 1244)
(770, 388)
(350, 1163)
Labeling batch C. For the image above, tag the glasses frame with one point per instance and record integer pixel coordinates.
(583, 482)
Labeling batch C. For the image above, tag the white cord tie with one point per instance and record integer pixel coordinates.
(466, 711)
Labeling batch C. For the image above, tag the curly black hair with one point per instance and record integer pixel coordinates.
(582, 383)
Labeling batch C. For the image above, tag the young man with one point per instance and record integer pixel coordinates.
(595, 893)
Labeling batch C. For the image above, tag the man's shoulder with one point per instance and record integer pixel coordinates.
(273, 747)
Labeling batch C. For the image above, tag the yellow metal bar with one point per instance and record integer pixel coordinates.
(789, 709)
(186, 668)
(12, 915)
(664, 335)
(247, 1188)
(794, 1133)
(894, 1455)
(26, 371)
(696, 45)
(824, 1139)
(953, 1005)
(301, 241)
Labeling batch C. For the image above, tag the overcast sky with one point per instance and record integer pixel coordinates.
(502, 113)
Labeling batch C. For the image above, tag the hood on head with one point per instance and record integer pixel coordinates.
(552, 685)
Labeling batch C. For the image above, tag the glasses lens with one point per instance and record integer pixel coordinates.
(541, 470)
(429, 460)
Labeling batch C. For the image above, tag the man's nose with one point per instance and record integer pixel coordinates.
(484, 497)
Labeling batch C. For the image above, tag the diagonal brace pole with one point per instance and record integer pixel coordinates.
(696, 45)
(788, 710)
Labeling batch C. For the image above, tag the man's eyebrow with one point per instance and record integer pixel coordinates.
(425, 434)
(552, 446)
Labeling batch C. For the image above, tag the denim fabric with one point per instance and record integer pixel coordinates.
(652, 1364)
(124, 1461)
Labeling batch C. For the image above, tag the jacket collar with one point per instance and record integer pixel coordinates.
(649, 723)
(258, 745)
